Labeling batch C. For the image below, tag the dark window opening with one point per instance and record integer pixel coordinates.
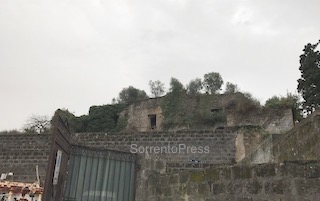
(216, 110)
(153, 121)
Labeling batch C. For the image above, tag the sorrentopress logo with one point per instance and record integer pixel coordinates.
(170, 149)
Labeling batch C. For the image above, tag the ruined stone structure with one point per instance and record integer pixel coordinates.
(301, 143)
(147, 115)
(144, 116)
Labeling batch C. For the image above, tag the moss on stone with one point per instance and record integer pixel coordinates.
(212, 174)
(197, 177)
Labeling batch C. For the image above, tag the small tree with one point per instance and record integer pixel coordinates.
(231, 88)
(131, 94)
(156, 87)
(176, 86)
(309, 83)
(212, 82)
(37, 124)
(195, 86)
(172, 104)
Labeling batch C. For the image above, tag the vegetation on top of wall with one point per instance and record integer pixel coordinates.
(182, 110)
(173, 106)
(100, 119)
(209, 111)
(290, 101)
(281, 102)
(103, 118)
(130, 95)
(242, 103)
(76, 124)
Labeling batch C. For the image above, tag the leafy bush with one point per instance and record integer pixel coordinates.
(289, 101)
(243, 103)
(100, 119)
(209, 118)
(131, 94)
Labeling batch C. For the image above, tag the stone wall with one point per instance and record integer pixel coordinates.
(214, 147)
(293, 181)
(300, 143)
(20, 153)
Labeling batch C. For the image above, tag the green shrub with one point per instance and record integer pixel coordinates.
(290, 101)
(242, 103)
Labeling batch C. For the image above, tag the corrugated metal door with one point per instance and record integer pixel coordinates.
(100, 175)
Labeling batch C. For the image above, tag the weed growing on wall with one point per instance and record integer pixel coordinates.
(191, 111)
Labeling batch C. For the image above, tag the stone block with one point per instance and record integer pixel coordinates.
(241, 172)
(233, 188)
(266, 170)
(173, 179)
(308, 186)
(252, 187)
(292, 169)
(203, 189)
(184, 177)
(217, 188)
(280, 187)
(197, 176)
(212, 174)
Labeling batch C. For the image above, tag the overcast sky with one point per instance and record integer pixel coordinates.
(77, 53)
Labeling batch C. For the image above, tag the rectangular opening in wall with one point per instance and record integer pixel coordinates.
(153, 121)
